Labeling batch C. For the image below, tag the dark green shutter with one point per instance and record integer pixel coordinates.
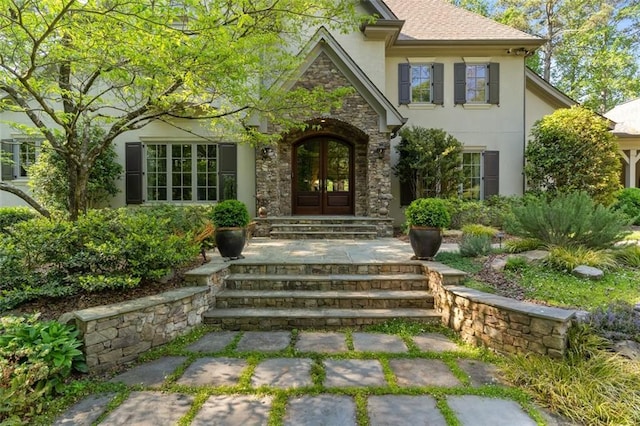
(459, 83)
(437, 81)
(133, 173)
(404, 84)
(491, 173)
(227, 171)
(494, 83)
(7, 167)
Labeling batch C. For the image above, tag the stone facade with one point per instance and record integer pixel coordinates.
(502, 324)
(356, 123)
(116, 334)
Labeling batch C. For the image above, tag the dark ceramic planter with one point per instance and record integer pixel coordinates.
(230, 241)
(425, 241)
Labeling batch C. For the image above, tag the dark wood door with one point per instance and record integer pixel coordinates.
(322, 177)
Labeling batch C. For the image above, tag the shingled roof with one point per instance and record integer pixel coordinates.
(439, 20)
(627, 117)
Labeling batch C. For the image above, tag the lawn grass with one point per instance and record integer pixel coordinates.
(565, 290)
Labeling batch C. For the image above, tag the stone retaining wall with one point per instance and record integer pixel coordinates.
(502, 324)
(119, 333)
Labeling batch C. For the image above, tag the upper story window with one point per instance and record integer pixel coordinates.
(477, 83)
(18, 156)
(421, 83)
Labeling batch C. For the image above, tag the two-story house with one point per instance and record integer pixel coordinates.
(422, 63)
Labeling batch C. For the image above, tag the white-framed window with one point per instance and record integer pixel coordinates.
(477, 83)
(421, 83)
(17, 156)
(181, 172)
(471, 188)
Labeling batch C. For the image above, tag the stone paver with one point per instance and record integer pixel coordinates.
(423, 372)
(234, 410)
(434, 342)
(150, 409)
(151, 374)
(321, 342)
(86, 411)
(264, 341)
(283, 373)
(392, 410)
(213, 342)
(353, 372)
(480, 373)
(321, 410)
(213, 372)
(474, 410)
(376, 342)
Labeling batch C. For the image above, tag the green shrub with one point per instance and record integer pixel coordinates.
(475, 245)
(523, 244)
(628, 255)
(36, 357)
(567, 258)
(230, 214)
(495, 211)
(628, 202)
(516, 263)
(617, 321)
(12, 215)
(93, 283)
(181, 219)
(571, 220)
(430, 212)
(477, 229)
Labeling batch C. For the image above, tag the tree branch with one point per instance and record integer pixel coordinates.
(26, 197)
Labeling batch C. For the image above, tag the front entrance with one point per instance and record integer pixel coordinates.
(322, 177)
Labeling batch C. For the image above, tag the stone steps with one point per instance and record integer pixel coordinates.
(323, 227)
(279, 319)
(324, 299)
(270, 296)
(328, 282)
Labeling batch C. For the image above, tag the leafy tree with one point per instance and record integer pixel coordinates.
(72, 66)
(573, 150)
(49, 184)
(429, 162)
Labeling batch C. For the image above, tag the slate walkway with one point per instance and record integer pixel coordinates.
(220, 361)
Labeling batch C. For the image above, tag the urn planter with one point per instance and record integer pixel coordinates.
(230, 242)
(425, 241)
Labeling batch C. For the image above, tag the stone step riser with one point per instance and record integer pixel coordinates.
(338, 227)
(322, 235)
(341, 303)
(337, 221)
(331, 285)
(266, 323)
(325, 269)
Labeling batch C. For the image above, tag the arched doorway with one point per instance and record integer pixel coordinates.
(323, 182)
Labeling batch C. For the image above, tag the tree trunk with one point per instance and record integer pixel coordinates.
(78, 180)
(26, 197)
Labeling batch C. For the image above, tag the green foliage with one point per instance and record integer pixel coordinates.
(516, 263)
(230, 214)
(628, 201)
(570, 220)
(36, 358)
(457, 261)
(182, 219)
(431, 212)
(49, 181)
(589, 386)
(628, 255)
(573, 150)
(429, 162)
(12, 215)
(475, 245)
(522, 244)
(617, 321)
(567, 258)
(494, 212)
(477, 230)
(102, 249)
